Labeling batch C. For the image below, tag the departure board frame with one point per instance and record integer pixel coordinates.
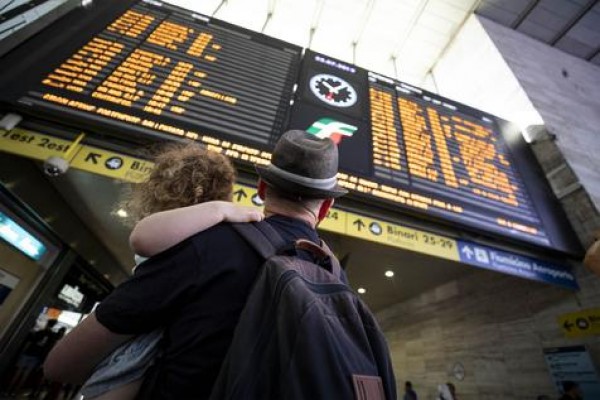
(334, 99)
(160, 72)
(429, 156)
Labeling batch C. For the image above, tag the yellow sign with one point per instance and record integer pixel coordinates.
(580, 323)
(374, 230)
(335, 221)
(119, 166)
(246, 196)
(33, 144)
(88, 158)
(113, 165)
(396, 235)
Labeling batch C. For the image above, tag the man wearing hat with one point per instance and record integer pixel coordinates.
(196, 290)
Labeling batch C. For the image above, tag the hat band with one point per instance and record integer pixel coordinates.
(323, 184)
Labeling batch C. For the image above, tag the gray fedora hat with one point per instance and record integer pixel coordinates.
(303, 165)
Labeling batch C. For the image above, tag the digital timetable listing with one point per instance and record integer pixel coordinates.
(404, 145)
(147, 70)
(172, 72)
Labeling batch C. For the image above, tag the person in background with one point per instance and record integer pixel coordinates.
(452, 389)
(197, 289)
(37, 346)
(409, 393)
(188, 191)
(444, 392)
(592, 255)
(571, 391)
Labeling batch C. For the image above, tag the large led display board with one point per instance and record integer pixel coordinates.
(146, 71)
(154, 68)
(427, 154)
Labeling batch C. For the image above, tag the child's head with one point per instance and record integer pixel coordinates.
(183, 175)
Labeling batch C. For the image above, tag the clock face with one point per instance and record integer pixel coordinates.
(458, 371)
(333, 90)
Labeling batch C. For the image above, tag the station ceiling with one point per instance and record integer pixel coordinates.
(405, 39)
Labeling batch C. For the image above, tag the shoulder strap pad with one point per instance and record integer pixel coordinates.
(268, 242)
(261, 236)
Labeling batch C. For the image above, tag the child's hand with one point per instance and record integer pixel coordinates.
(235, 213)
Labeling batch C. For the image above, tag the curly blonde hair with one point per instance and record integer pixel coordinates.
(183, 175)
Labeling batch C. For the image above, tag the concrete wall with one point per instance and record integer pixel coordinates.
(565, 90)
(495, 325)
(572, 195)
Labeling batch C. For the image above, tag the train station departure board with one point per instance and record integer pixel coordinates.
(153, 67)
(411, 148)
(146, 71)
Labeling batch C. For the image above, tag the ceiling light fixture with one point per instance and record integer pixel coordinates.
(389, 273)
(122, 213)
(362, 290)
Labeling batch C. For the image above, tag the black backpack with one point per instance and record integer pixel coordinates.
(303, 334)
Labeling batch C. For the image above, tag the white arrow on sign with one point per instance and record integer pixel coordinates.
(468, 252)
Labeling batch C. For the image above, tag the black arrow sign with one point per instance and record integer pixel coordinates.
(240, 194)
(359, 224)
(567, 325)
(92, 157)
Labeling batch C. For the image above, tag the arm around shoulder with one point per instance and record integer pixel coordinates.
(165, 229)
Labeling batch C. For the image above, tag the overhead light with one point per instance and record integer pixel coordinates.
(389, 273)
(362, 290)
(122, 213)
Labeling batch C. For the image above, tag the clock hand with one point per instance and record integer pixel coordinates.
(337, 88)
(328, 86)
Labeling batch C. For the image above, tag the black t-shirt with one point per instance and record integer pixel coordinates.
(196, 292)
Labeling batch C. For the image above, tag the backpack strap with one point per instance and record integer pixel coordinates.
(261, 236)
(323, 254)
(268, 242)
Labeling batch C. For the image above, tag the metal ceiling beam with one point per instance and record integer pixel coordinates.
(361, 29)
(524, 14)
(573, 21)
(315, 22)
(411, 25)
(593, 54)
(270, 12)
(221, 4)
(267, 20)
(395, 65)
(454, 34)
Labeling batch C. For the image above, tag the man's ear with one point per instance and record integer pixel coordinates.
(325, 206)
(262, 188)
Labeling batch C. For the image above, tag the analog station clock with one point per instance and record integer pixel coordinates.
(333, 90)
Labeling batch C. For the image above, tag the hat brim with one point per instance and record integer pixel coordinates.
(272, 179)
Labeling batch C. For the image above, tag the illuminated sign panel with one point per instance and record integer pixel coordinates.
(421, 151)
(18, 237)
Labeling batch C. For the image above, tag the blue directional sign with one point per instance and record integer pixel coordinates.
(515, 264)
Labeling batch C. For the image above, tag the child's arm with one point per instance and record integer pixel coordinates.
(162, 230)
